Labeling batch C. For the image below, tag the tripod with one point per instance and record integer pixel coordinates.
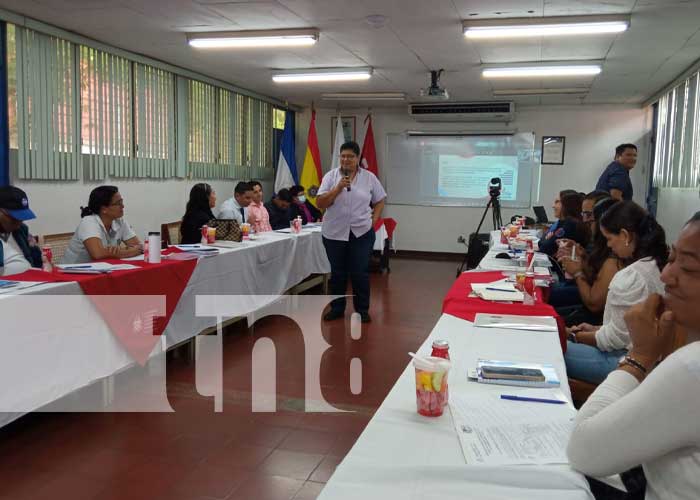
(495, 205)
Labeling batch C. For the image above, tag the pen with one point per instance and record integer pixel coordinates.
(510, 397)
(500, 289)
(78, 267)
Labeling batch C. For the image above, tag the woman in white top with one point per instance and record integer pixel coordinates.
(640, 243)
(648, 414)
(102, 230)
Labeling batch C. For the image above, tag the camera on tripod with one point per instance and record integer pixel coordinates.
(495, 187)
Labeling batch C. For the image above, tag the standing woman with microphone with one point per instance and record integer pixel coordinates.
(348, 228)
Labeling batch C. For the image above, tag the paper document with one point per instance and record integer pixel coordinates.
(95, 268)
(501, 290)
(515, 322)
(499, 432)
(11, 287)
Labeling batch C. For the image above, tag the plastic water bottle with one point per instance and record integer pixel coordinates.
(145, 249)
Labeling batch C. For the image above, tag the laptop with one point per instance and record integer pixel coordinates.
(541, 215)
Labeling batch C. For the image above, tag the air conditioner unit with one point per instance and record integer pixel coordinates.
(497, 111)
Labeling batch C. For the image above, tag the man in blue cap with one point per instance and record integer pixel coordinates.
(18, 250)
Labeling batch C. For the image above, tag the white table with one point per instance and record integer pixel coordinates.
(43, 359)
(404, 455)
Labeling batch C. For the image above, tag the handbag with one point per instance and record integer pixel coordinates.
(226, 229)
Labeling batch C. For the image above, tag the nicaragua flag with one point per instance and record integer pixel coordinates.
(287, 176)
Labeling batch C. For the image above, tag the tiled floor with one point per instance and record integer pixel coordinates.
(196, 454)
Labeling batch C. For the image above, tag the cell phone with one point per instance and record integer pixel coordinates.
(512, 373)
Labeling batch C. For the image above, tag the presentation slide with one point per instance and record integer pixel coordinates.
(469, 176)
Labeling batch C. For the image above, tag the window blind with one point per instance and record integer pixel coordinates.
(154, 116)
(106, 96)
(47, 121)
(677, 155)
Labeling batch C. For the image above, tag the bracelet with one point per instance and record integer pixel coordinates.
(633, 362)
(578, 275)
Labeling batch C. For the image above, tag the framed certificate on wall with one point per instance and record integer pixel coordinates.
(553, 149)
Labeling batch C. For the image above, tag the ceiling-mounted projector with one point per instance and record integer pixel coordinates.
(435, 92)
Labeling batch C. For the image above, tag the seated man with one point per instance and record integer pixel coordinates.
(18, 250)
(258, 217)
(236, 208)
(278, 208)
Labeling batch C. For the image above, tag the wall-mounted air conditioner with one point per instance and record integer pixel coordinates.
(497, 111)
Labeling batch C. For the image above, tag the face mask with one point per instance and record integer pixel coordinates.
(302, 199)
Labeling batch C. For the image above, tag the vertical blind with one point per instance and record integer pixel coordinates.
(154, 115)
(46, 102)
(677, 155)
(82, 108)
(105, 104)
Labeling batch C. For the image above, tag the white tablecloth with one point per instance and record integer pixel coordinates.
(43, 359)
(405, 456)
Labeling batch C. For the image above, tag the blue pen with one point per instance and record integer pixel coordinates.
(78, 267)
(510, 397)
(501, 290)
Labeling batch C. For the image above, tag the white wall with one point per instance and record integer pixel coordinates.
(674, 208)
(148, 203)
(591, 132)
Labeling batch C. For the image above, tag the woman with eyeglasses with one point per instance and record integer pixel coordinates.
(348, 228)
(648, 412)
(639, 242)
(197, 213)
(103, 233)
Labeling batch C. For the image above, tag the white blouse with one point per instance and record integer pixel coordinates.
(656, 424)
(628, 287)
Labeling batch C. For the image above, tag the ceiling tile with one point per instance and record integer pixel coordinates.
(258, 15)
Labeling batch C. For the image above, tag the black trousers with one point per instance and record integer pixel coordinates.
(350, 258)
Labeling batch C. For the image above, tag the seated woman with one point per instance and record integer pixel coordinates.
(592, 273)
(647, 413)
(197, 213)
(102, 230)
(640, 243)
(567, 210)
(302, 207)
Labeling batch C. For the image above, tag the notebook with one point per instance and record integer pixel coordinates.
(498, 291)
(550, 374)
(516, 322)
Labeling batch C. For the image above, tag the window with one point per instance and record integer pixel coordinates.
(105, 102)
(677, 155)
(278, 120)
(46, 107)
(154, 119)
(202, 123)
(12, 84)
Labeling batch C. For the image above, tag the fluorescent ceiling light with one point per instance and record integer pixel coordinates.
(547, 26)
(539, 92)
(364, 96)
(542, 71)
(323, 75)
(243, 39)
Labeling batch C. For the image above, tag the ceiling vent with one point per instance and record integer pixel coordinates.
(497, 111)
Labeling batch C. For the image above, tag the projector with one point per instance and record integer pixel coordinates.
(435, 92)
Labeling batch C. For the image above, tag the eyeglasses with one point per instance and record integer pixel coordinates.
(586, 214)
(348, 157)
(119, 203)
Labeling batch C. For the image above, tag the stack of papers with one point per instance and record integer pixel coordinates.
(493, 431)
(516, 322)
(199, 250)
(94, 268)
(500, 290)
(10, 287)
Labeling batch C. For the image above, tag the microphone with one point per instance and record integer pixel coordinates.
(346, 174)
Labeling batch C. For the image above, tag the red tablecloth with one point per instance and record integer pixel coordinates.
(389, 223)
(129, 318)
(458, 303)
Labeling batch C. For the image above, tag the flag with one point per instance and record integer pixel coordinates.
(311, 172)
(339, 141)
(368, 158)
(287, 176)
